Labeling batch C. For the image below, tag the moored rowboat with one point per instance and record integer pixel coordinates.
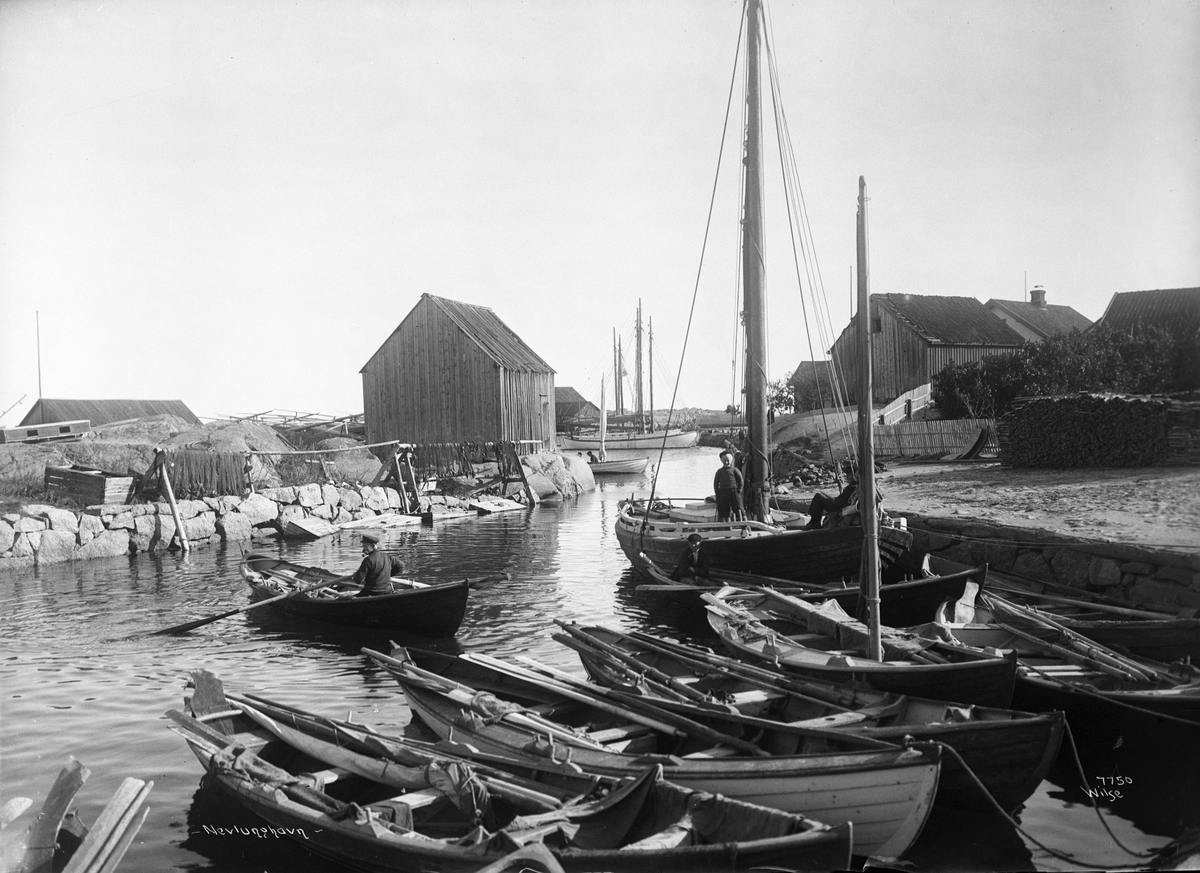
(887, 794)
(415, 608)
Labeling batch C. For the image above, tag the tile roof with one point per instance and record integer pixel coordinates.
(1164, 307)
(1047, 320)
(949, 320)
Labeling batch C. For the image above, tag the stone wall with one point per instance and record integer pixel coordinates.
(1166, 577)
(41, 534)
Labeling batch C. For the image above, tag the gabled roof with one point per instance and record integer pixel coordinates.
(1046, 320)
(949, 320)
(569, 404)
(100, 412)
(482, 326)
(810, 370)
(1168, 308)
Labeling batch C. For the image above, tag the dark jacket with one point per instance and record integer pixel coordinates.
(691, 567)
(374, 574)
(728, 479)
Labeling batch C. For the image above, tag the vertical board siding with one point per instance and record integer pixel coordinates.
(431, 383)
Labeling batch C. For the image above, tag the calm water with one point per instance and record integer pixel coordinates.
(70, 686)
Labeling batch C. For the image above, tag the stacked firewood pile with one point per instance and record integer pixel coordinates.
(1100, 430)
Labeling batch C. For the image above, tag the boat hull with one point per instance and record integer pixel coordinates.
(672, 439)
(622, 467)
(887, 795)
(430, 610)
(824, 556)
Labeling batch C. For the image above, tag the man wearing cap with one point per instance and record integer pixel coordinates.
(693, 564)
(375, 572)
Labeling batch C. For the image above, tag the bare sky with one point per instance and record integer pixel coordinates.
(234, 203)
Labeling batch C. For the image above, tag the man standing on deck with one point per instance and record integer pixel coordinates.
(375, 572)
(727, 486)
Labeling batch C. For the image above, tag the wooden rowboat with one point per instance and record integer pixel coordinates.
(1009, 752)
(415, 607)
(913, 601)
(451, 816)
(886, 793)
(619, 467)
(822, 642)
(1104, 692)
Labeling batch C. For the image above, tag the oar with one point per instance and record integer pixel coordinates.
(200, 622)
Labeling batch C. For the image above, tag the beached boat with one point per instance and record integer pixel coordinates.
(1105, 693)
(452, 816)
(912, 601)
(415, 607)
(823, 642)
(886, 793)
(1009, 752)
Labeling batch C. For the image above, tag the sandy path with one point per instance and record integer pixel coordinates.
(1145, 505)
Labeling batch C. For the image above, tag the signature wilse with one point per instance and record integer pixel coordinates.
(1108, 787)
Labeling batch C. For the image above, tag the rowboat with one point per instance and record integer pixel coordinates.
(823, 642)
(1105, 693)
(886, 793)
(415, 607)
(909, 602)
(1009, 752)
(454, 816)
(1118, 624)
(619, 467)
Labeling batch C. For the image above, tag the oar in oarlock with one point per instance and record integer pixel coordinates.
(192, 625)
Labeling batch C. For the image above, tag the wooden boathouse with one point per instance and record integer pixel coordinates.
(455, 373)
(915, 336)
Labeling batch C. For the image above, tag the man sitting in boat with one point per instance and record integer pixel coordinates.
(840, 511)
(693, 564)
(375, 572)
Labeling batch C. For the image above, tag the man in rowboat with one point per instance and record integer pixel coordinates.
(375, 572)
(693, 564)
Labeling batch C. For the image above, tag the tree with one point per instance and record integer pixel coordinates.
(780, 396)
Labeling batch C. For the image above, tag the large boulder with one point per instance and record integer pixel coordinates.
(56, 546)
(259, 509)
(558, 474)
(106, 544)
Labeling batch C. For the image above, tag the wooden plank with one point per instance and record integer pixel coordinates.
(43, 835)
(109, 830)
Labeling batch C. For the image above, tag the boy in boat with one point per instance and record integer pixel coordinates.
(727, 488)
(375, 572)
(693, 564)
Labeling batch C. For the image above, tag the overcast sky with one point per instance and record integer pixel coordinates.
(234, 203)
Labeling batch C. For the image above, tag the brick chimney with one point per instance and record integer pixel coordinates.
(1038, 296)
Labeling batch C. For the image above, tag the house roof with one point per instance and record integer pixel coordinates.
(809, 369)
(1165, 307)
(569, 403)
(1046, 320)
(100, 412)
(483, 327)
(949, 320)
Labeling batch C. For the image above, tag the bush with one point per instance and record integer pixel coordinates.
(1150, 361)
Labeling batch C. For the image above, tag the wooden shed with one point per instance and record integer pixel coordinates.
(455, 373)
(914, 337)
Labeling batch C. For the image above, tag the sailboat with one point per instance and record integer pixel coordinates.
(615, 466)
(639, 437)
(766, 542)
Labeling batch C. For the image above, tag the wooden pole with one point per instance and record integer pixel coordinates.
(867, 508)
(165, 475)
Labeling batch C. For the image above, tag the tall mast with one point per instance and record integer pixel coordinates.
(638, 371)
(752, 281)
(616, 374)
(650, 357)
(620, 378)
(869, 581)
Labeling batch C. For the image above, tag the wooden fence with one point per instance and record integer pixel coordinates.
(938, 438)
